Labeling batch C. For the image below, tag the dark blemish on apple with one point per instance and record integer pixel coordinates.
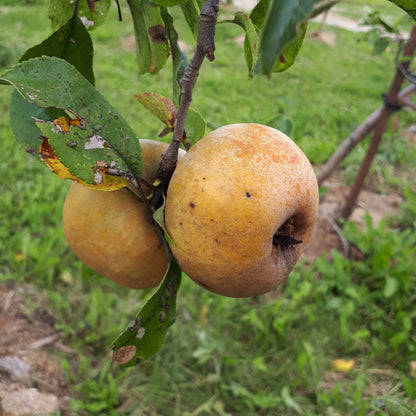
(217, 241)
(192, 205)
(248, 195)
(181, 223)
(204, 178)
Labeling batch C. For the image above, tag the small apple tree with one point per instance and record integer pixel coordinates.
(54, 97)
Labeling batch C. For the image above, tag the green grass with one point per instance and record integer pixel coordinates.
(270, 355)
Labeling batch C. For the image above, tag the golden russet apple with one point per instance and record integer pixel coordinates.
(239, 208)
(109, 230)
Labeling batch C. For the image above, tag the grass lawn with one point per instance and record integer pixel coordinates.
(270, 355)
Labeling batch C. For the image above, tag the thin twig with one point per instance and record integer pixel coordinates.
(205, 48)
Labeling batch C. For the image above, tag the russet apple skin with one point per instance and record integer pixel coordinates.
(228, 197)
(109, 230)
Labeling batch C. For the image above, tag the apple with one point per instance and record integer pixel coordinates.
(240, 206)
(109, 231)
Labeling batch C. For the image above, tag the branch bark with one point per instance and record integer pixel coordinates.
(205, 48)
(380, 127)
(359, 134)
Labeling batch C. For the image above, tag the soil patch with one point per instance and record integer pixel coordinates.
(29, 353)
(326, 235)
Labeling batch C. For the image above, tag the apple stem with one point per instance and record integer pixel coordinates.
(205, 48)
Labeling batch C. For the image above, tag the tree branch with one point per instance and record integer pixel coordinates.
(359, 134)
(205, 48)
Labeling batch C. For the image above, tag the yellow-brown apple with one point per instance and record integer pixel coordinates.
(239, 208)
(109, 231)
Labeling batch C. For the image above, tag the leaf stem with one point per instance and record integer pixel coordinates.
(205, 48)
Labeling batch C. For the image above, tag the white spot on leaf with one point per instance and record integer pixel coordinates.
(141, 332)
(97, 142)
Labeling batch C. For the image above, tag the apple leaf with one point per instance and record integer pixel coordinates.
(169, 3)
(162, 107)
(251, 50)
(179, 59)
(71, 42)
(148, 332)
(92, 140)
(409, 6)
(284, 22)
(289, 53)
(22, 121)
(152, 47)
(195, 126)
(91, 12)
(192, 12)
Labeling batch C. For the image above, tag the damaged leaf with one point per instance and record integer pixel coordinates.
(162, 107)
(152, 47)
(92, 140)
(147, 334)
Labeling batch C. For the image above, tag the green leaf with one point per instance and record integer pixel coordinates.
(396, 407)
(152, 48)
(93, 139)
(284, 22)
(169, 3)
(195, 126)
(22, 121)
(192, 12)
(91, 12)
(148, 333)
(71, 42)
(409, 6)
(179, 59)
(259, 13)
(251, 50)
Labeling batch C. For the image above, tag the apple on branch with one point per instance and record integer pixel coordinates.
(240, 206)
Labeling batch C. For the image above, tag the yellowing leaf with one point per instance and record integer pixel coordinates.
(342, 365)
(105, 181)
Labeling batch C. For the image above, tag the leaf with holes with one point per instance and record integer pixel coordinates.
(147, 334)
(92, 141)
(152, 47)
(91, 12)
(71, 42)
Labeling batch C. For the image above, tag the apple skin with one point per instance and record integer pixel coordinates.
(228, 197)
(109, 230)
